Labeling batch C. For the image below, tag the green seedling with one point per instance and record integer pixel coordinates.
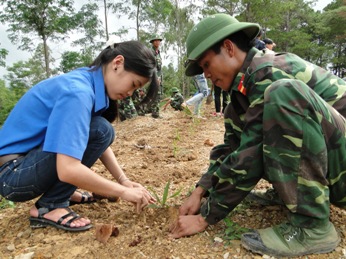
(187, 111)
(162, 201)
(233, 231)
(175, 148)
(175, 144)
(177, 135)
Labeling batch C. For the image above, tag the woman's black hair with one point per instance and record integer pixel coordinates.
(138, 59)
(239, 38)
(111, 113)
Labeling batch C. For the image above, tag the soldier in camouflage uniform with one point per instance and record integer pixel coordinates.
(176, 100)
(137, 98)
(285, 123)
(155, 107)
(127, 109)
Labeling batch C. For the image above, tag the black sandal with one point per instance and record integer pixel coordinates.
(41, 222)
(86, 198)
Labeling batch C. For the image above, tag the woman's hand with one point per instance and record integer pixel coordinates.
(131, 184)
(139, 196)
(128, 184)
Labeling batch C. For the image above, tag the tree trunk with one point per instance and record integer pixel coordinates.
(106, 22)
(46, 57)
(137, 18)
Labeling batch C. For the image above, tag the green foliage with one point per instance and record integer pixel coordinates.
(3, 54)
(162, 201)
(6, 204)
(32, 20)
(89, 26)
(335, 36)
(71, 60)
(233, 231)
(170, 79)
(230, 7)
(293, 25)
(7, 101)
(44, 20)
(176, 141)
(37, 19)
(25, 74)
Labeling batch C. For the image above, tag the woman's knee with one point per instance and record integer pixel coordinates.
(101, 130)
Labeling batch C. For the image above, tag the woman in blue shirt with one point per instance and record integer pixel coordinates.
(58, 130)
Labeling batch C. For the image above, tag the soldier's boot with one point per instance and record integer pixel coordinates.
(156, 115)
(285, 240)
(267, 197)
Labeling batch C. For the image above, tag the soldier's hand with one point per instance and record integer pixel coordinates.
(193, 203)
(188, 225)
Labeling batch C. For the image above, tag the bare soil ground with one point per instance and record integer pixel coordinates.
(176, 149)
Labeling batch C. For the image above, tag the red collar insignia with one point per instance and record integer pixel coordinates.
(241, 87)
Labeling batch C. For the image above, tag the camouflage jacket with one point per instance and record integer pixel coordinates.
(237, 165)
(176, 100)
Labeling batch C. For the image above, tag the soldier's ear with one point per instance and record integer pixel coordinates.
(229, 46)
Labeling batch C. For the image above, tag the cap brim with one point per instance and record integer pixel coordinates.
(154, 40)
(250, 29)
(193, 69)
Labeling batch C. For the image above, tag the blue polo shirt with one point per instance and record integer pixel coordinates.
(56, 113)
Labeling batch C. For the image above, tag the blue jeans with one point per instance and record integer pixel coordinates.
(196, 101)
(35, 174)
(202, 87)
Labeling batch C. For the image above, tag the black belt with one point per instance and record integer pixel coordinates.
(4, 159)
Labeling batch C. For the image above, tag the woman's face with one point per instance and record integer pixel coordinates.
(120, 83)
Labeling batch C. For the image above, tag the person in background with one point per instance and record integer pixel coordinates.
(61, 126)
(219, 106)
(137, 99)
(154, 109)
(176, 100)
(127, 109)
(269, 45)
(285, 124)
(259, 43)
(202, 92)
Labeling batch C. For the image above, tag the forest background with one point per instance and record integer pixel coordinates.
(38, 27)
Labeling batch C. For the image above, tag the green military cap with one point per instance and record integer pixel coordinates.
(174, 90)
(155, 37)
(208, 32)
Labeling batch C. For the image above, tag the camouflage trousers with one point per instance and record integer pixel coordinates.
(127, 109)
(154, 108)
(304, 150)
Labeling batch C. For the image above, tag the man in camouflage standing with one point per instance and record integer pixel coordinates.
(155, 107)
(285, 123)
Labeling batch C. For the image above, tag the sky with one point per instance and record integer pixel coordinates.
(16, 55)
